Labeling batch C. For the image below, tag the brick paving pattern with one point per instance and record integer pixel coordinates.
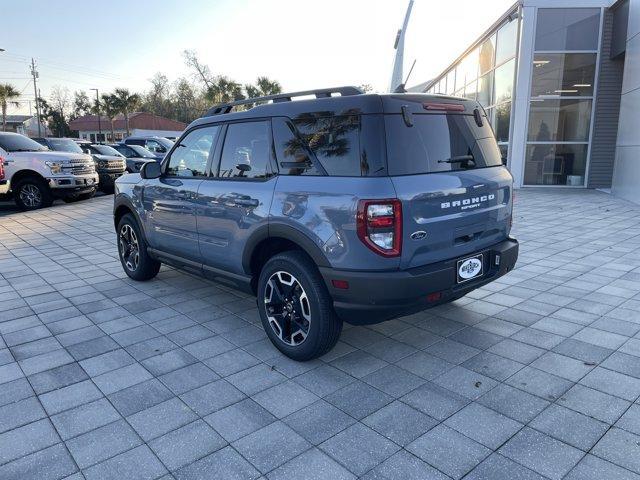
(535, 376)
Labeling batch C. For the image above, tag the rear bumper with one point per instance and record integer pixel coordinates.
(4, 186)
(373, 297)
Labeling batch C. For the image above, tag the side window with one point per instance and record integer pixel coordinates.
(154, 146)
(190, 157)
(292, 154)
(245, 153)
(334, 139)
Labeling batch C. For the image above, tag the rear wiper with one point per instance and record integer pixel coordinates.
(460, 159)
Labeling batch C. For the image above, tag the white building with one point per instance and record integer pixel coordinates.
(560, 80)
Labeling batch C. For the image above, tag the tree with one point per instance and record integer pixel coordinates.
(264, 86)
(223, 89)
(55, 120)
(8, 94)
(126, 103)
(81, 104)
(157, 99)
(202, 71)
(109, 106)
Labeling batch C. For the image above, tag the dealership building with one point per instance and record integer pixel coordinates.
(560, 81)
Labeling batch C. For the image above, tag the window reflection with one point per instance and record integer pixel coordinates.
(487, 54)
(485, 90)
(559, 120)
(502, 121)
(555, 164)
(567, 29)
(334, 139)
(507, 42)
(563, 74)
(504, 81)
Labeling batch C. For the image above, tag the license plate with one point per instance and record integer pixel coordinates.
(469, 268)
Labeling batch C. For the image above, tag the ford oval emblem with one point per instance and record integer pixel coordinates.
(419, 235)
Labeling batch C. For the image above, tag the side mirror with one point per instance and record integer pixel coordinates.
(150, 170)
(161, 150)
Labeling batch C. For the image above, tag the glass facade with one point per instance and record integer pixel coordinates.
(562, 96)
(487, 74)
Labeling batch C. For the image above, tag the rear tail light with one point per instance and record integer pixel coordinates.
(379, 224)
(1, 168)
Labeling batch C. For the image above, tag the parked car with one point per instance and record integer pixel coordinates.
(35, 176)
(158, 145)
(136, 156)
(352, 207)
(60, 144)
(110, 164)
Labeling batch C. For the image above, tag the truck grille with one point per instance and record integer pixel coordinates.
(79, 167)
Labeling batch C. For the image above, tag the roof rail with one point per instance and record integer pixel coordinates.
(283, 97)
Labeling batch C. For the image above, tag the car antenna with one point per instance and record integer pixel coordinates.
(401, 88)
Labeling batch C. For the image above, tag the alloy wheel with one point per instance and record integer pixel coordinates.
(288, 308)
(30, 195)
(129, 248)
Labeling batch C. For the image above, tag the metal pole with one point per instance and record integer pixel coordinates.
(34, 73)
(98, 111)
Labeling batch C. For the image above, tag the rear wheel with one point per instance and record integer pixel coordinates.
(295, 307)
(132, 250)
(31, 193)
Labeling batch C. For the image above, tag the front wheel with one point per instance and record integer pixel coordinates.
(31, 193)
(295, 307)
(132, 250)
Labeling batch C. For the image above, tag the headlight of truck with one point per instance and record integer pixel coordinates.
(103, 164)
(55, 167)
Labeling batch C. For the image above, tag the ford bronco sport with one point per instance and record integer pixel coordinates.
(343, 207)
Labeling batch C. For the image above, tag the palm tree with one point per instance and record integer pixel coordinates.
(7, 93)
(223, 90)
(109, 106)
(126, 103)
(263, 87)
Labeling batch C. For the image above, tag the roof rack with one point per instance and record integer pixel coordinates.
(283, 97)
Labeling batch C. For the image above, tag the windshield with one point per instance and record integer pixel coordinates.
(439, 143)
(64, 145)
(166, 143)
(20, 143)
(141, 151)
(106, 150)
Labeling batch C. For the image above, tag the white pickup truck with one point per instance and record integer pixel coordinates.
(35, 176)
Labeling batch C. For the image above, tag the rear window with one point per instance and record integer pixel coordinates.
(439, 143)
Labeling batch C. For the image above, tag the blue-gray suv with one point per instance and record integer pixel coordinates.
(340, 207)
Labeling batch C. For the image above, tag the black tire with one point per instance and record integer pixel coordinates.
(145, 267)
(32, 193)
(323, 327)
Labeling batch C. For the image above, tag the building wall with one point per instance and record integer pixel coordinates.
(626, 176)
(607, 110)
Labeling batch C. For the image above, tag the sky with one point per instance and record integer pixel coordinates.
(303, 44)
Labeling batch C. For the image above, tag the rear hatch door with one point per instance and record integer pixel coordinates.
(447, 171)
